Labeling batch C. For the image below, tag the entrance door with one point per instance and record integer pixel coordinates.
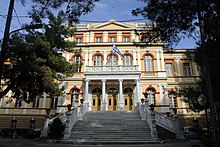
(96, 102)
(112, 102)
(128, 102)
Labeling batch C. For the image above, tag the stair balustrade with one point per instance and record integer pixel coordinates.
(154, 118)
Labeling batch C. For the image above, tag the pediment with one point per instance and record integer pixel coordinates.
(112, 25)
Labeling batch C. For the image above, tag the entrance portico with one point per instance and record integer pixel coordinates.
(109, 91)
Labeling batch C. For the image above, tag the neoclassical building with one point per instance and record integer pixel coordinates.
(110, 82)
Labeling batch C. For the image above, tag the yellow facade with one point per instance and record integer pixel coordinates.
(109, 82)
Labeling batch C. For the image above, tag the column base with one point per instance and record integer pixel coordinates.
(104, 106)
(120, 106)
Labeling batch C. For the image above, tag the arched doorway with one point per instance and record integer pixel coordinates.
(128, 99)
(112, 99)
(96, 99)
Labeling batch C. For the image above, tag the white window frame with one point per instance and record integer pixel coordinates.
(98, 60)
(112, 60)
(169, 69)
(187, 69)
(127, 60)
(148, 63)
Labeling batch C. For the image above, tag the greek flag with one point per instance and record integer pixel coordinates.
(115, 49)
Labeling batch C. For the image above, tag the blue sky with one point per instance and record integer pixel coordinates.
(103, 11)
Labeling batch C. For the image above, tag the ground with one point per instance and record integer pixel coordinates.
(5, 142)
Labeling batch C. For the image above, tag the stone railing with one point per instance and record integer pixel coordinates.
(118, 68)
(71, 119)
(154, 118)
(165, 122)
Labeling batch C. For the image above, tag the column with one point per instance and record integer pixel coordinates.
(137, 97)
(162, 61)
(119, 60)
(26, 104)
(121, 102)
(86, 59)
(178, 68)
(165, 99)
(103, 95)
(92, 37)
(105, 36)
(90, 58)
(86, 95)
(161, 93)
(158, 61)
(183, 105)
(139, 60)
(8, 101)
(105, 58)
(44, 103)
(134, 58)
(87, 37)
(119, 36)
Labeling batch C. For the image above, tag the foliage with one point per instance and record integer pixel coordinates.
(73, 8)
(199, 19)
(35, 64)
(56, 128)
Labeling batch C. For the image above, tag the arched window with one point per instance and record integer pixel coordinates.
(173, 100)
(78, 62)
(74, 95)
(151, 96)
(112, 90)
(98, 60)
(127, 60)
(128, 90)
(96, 90)
(148, 63)
(112, 60)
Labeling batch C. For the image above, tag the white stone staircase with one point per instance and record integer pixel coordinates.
(111, 127)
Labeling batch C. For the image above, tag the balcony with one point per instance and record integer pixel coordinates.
(112, 69)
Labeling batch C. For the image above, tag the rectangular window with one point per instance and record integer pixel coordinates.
(109, 102)
(187, 70)
(78, 40)
(126, 102)
(93, 102)
(126, 39)
(112, 39)
(54, 102)
(98, 39)
(169, 69)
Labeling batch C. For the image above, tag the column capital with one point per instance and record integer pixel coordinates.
(103, 80)
(87, 80)
(120, 80)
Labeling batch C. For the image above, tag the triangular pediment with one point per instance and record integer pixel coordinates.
(112, 24)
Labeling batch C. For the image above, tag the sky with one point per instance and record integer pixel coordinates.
(104, 10)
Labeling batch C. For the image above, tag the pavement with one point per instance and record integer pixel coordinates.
(6, 142)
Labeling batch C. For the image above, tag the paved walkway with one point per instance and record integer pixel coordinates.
(5, 142)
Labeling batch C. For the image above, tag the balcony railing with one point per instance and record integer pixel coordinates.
(118, 68)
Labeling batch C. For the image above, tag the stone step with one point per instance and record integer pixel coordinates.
(110, 128)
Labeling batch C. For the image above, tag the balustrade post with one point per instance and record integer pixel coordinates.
(81, 113)
(142, 109)
(67, 130)
(177, 127)
(146, 107)
(153, 127)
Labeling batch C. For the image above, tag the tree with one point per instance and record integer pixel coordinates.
(182, 18)
(32, 62)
